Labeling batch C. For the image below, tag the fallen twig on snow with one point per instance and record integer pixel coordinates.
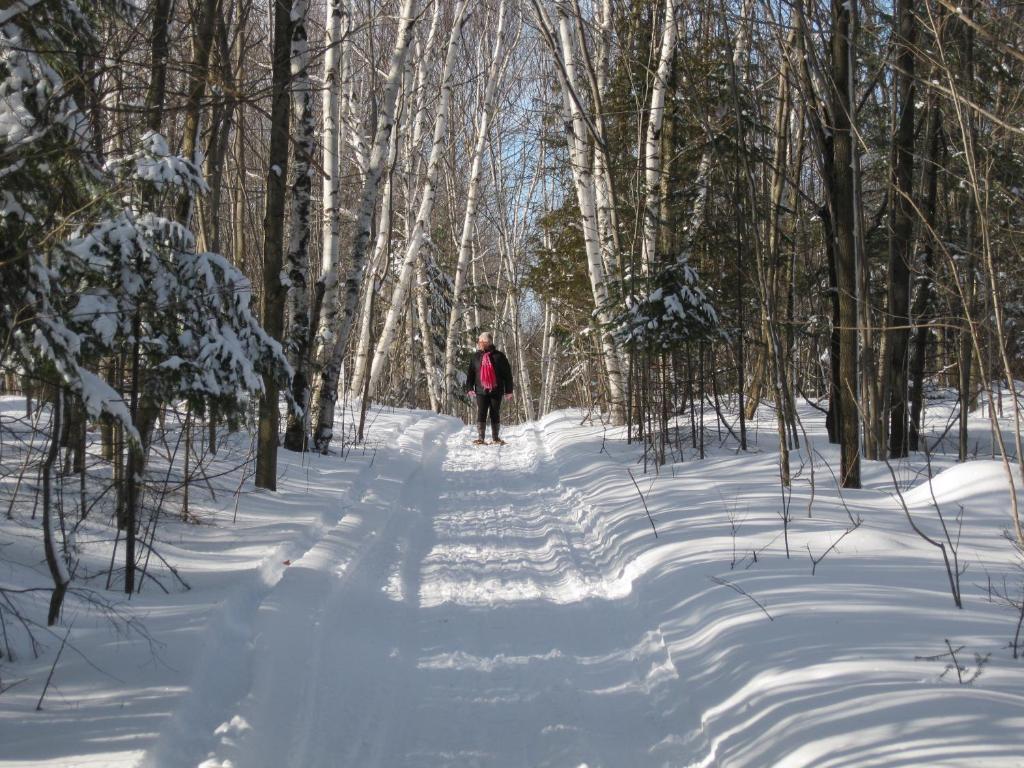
(742, 591)
(823, 555)
(643, 501)
(49, 677)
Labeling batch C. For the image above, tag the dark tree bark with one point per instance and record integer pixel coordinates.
(143, 407)
(198, 75)
(833, 422)
(843, 213)
(923, 300)
(969, 289)
(901, 212)
(220, 136)
(818, 107)
(274, 294)
(158, 69)
(54, 561)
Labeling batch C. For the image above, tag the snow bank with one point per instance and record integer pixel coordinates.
(981, 483)
(427, 602)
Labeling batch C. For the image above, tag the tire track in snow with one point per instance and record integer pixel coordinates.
(524, 539)
(377, 654)
(460, 614)
(206, 723)
(528, 653)
(306, 693)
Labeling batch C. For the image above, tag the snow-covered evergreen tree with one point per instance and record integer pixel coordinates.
(674, 311)
(52, 187)
(84, 246)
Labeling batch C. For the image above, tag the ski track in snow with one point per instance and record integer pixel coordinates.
(270, 614)
(469, 606)
(435, 603)
(459, 614)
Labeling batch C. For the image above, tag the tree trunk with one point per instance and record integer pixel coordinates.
(970, 211)
(420, 232)
(901, 207)
(376, 269)
(335, 330)
(486, 112)
(583, 179)
(842, 199)
(54, 557)
(274, 292)
(298, 348)
(239, 245)
(833, 420)
(199, 73)
(336, 36)
(426, 334)
(652, 147)
(156, 94)
(922, 309)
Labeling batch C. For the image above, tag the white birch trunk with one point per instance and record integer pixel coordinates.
(419, 320)
(550, 376)
(378, 264)
(607, 216)
(652, 148)
(358, 139)
(333, 75)
(420, 231)
(700, 203)
(524, 388)
(337, 71)
(605, 213)
(296, 271)
(472, 199)
(545, 361)
(418, 94)
(476, 283)
(583, 179)
(338, 315)
(362, 354)
(427, 346)
(604, 190)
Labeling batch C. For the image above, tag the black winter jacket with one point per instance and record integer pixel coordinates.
(502, 370)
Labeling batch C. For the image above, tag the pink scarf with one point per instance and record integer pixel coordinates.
(487, 375)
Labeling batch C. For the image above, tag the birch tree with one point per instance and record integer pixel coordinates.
(420, 232)
(652, 146)
(576, 133)
(339, 312)
(486, 113)
(376, 267)
(298, 346)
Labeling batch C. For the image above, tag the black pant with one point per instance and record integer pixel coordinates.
(489, 402)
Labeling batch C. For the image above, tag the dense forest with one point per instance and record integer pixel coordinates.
(231, 212)
(755, 270)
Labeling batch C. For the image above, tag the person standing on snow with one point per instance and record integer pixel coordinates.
(488, 379)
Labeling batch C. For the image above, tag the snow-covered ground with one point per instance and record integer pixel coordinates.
(428, 602)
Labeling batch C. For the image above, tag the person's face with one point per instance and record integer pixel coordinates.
(481, 343)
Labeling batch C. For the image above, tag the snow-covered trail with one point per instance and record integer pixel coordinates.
(461, 617)
(425, 602)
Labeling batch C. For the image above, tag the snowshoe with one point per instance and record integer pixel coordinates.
(499, 441)
(479, 442)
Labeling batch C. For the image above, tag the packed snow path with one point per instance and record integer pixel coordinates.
(445, 604)
(466, 623)
(426, 602)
